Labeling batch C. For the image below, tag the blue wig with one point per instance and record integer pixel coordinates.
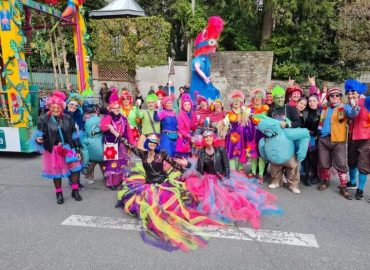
(354, 85)
(146, 146)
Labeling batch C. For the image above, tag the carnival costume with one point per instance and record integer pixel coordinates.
(131, 112)
(168, 121)
(289, 93)
(114, 169)
(332, 140)
(157, 198)
(55, 133)
(205, 44)
(226, 196)
(217, 122)
(359, 139)
(253, 135)
(187, 124)
(148, 125)
(278, 148)
(235, 139)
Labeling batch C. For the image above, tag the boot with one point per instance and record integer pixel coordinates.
(315, 180)
(76, 195)
(345, 193)
(307, 181)
(60, 199)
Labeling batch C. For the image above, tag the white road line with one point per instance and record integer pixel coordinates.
(246, 234)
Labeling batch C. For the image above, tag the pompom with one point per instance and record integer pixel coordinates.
(105, 121)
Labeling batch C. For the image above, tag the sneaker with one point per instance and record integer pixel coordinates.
(359, 194)
(351, 186)
(260, 179)
(295, 190)
(345, 193)
(274, 185)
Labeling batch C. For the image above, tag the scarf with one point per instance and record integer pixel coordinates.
(325, 110)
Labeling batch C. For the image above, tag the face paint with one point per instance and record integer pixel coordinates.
(279, 100)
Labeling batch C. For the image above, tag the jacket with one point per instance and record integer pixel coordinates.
(50, 131)
(220, 162)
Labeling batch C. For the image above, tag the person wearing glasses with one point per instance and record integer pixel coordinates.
(115, 125)
(359, 137)
(332, 139)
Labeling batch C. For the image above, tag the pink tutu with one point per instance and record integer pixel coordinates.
(234, 200)
(55, 166)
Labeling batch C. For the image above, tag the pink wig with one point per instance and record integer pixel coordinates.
(126, 94)
(236, 94)
(113, 99)
(58, 98)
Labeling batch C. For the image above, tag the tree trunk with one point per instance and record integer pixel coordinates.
(65, 61)
(56, 83)
(58, 60)
(268, 22)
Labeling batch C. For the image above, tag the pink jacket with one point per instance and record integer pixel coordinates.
(185, 127)
(361, 123)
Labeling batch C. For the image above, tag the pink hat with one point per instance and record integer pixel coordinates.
(199, 98)
(186, 98)
(113, 99)
(165, 100)
(254, 92)
(236, 94)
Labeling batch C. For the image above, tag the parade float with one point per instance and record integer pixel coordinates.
(18, 98)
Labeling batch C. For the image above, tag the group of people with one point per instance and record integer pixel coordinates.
(190, 170)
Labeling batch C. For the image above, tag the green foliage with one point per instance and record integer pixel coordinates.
(130, 42)
(354, 32)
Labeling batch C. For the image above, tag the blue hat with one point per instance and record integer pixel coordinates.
(354, 85)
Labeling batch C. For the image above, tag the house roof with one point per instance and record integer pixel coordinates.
(119, 8)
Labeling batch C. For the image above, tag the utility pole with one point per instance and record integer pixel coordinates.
(190, 43)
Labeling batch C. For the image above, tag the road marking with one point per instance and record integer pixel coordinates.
(236, 233)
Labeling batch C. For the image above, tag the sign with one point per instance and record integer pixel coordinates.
(10, 139)
(2, 139)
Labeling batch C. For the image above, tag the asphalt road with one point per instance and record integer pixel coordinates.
(32, 237)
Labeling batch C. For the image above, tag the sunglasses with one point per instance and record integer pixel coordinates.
(125, 98)
(334, 95)
(72, 104)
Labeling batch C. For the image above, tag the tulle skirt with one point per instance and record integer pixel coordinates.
(166, 218)
(235, 200)
(55, 165)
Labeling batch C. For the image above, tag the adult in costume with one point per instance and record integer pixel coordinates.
(54, 133)
(187, 124)
(217, 121)
(253, 135)
(333, 138)
(359, 137)
(156, 197)
(311, 122)
(114, 125)
(278, 148)
(148, 125)
(293, 95)
(131, 112)
(204, 45)
(224, 195)
(167, 118)
(236, 120)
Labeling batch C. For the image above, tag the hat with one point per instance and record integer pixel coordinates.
(161, 93)
(212, 106)
(237, 94)
(354, 85)
(58, 98)
(334, 90)
(127, 94)
(153, 138)
(185, 97)
(74, 97)
(277, 90)
(293, 88)
(199, 98)
(207, 133)
(206, 41)
(254, 92)
(113, 98)
(165, 100)
(151, 97)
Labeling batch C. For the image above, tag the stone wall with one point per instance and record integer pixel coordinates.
(241, 70)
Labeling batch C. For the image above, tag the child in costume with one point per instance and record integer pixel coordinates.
(56, 133)
(115, 125)
(333, 138)
(359, 137)
(217, 121)
(236, 120)
(167, 118)
(293, 95)
(148, 125)
(205, 44)
(223, 195)
(131, 112)
(156, 197)
(254, 135)
(187, 124)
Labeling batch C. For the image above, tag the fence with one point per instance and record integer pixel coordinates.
(44, 78)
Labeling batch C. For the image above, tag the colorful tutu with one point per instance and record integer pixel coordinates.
(235, 200)
(169, 222)
(55, 165)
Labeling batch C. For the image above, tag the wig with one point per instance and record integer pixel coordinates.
(58, 98)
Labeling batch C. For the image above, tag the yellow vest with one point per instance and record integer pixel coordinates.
(338, 129)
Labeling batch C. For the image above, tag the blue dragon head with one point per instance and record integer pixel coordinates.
(92, 126)
(269, 126)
